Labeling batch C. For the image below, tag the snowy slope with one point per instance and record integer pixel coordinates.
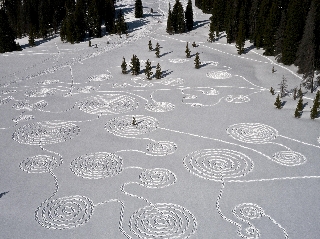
(209, 157)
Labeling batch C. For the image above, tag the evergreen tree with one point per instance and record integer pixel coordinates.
(121, 25)
(79, 20)
(110, 15)
(148, 69)
(189, 16)
(157, 50)
(272, 91)
(279, 37)
(297, 113)
(7, 35)
(94, 19)
(212, 28)
(241, 36)
(263, 8)
(44, 17)
(138, 9)
(133, 65)
(158, 73)
(137, 70)
(306, 54)
(187, 51)
(299, 93)
(124, 66)
(178, 21)
(278, 102)
(150, 45)
(270, 30)
(169, 28)
(283, 87)
(300, 104)
(197, 62)
(314, 110)
(293, 31)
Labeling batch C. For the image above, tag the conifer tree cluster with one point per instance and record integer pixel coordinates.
(42, 18)
(287, 29)
(179, 20)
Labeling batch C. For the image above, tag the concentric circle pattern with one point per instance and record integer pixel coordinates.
(101, 77)
(42, 92)
(161, 148)
(172, 81)
(157, 178)
(47, 132)
(97, 165)
(40, 164)
(289, 158)
(160, 107)
(219, 75)
(237, 99)
(178, 60)
(163, 220)
(213, 164)
(65, 212)
(248, 211)
(254, 133)
(108, 104)
(123, 126)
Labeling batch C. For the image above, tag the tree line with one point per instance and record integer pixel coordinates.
(286, 29)
(42, 18)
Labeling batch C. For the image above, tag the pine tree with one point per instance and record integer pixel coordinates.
(110, 15)
(157, 50)
(297, 113)
(7, 37)
(133, 65)
(94, 19)
(178, 20)
(169, 28)
(158, 73)
(299, 93)
(241, 36)
(300, 104)
(124, 66)
(189, 16)
(121, 25)
(79, 19)
(212, 28)
(272, 91)
(197, 62)
(306, 54)
(187, 51)
(314, 110)
(270, 29)
(278, 102)
(283, 87)
(279, 37)
(137, 69)
(148, 69)
(138, 9)
(150, 45)
(293, 31)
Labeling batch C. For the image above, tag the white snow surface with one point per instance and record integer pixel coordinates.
(207, 154)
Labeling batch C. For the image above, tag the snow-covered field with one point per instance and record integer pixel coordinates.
(209, 157)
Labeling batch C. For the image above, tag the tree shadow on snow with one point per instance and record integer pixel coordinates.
(166, 73)
(135, 25)
(2, 194)
(248, 49)
(283, 103)
(197, 24)
(40, 41)
(166, 53)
